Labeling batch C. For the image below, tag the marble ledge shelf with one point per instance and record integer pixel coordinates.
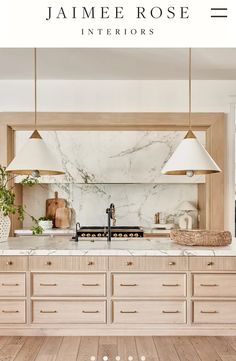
(58, 246)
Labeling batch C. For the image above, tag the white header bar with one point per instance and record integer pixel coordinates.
(118, 23)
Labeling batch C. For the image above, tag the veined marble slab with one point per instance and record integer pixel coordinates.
(48, 232)
(113, 157)
(57, 246)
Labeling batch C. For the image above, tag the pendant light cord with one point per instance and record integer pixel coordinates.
(190, 88)
(35, 89)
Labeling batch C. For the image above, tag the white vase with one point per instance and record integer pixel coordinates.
(5, 225)
(46, 225)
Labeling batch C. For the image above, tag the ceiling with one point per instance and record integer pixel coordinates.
(118, 64)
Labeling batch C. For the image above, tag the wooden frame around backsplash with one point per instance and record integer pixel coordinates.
(210, 194)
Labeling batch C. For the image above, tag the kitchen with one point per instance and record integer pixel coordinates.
(113, 132)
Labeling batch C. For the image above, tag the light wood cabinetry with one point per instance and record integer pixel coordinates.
(65, 285)
(149, 285)
(12, 284)
(212, 263)
(149, 312)
(68, 263)
(69, 312)
(208, 312)
(13, 263)
(214, 285)
(82, 295)
(12, 311)
(148, 263)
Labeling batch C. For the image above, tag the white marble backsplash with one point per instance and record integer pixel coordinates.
(113, 156)
(136, 204)
(123, 167)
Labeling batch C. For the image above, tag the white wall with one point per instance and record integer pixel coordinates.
(159, 96)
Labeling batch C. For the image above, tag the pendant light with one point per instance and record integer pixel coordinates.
(35, 157)
(190, 157)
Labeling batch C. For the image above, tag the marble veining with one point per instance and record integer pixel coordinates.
(136, 204)
(56, 246)
(113, 157)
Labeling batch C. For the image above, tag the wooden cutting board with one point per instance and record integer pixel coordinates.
(52, 205)
(63, 218)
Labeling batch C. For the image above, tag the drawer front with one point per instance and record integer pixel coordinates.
(148, 263)
(212, 263)
(214, 312)
(162, 312)
(56, 284)
(13, 263)
(69, 312)
(149, 285)
(68, 263)
(12, 284)
(214, 285)
(12, 311)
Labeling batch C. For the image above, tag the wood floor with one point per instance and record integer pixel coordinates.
(153, 348)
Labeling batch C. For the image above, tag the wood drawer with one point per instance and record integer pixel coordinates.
(12, 311)
(212, 263)
(162, 263)
(214, 312)
(68, 263)
(12, 284)
(69, 312)
(162, 312)
(13, 263)
(214, 285)
(149, 285)
(69, 284)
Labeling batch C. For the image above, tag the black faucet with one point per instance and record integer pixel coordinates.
(111, 215)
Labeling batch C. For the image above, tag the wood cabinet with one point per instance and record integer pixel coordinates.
(69, 312)
(149, 285)
(69, 284)
(83, 295)
(149, 312)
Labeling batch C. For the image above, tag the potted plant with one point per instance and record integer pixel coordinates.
(8, 206)
(45, 223)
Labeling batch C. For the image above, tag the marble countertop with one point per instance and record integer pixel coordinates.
(126, 247)
(48, 232)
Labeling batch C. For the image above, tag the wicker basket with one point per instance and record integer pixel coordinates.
(201, 238)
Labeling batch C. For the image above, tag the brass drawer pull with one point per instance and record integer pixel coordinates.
(90, 312)
(170, 285)
(9, 263)
(48, 263)
(129, 312)
(48, 284)
(4, 311)
(128, 285)
(209, 285)
(212, 312)
(170, 311)
(129, 263)
(210, 263)
(10, 284)
(172, 263)
(90, 263)
(48, 311)
(90, 284)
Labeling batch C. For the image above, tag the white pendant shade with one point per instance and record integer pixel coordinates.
(35, 156)
(190, 158)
